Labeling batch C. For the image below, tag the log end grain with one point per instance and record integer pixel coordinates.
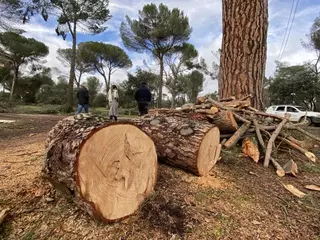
(116, 170)
(209, 151)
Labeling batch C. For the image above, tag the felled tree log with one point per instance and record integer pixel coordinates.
(109, 168)
(224, 120)
(184, 143)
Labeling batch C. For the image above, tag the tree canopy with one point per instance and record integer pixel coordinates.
(179, 60)
(157, 31)
(94, 87)
(193, 85)
(297, 85)
(18, 50)
(65, 56)
(10, 11)
(87, 15)
(131, 85)
(106, 59)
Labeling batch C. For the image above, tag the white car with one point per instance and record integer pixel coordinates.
(297, 113)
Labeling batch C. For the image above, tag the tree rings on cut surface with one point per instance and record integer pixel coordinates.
(110, 168)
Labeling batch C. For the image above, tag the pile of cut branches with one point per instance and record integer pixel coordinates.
(260, 133)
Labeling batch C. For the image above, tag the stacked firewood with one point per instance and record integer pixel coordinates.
(257, 131)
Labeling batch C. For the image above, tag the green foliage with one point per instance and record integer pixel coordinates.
(87, 15)
(193, 84)
(65, 56)
(179, 60)
(128, 87)
(6, 75)
(10, 11)
(18, 49)
(314, 37)
(53, 94)
(100, 100)
(103, 56)
(314, 46)
(28, 87)
(158, 30)
(94, 87)
(298, 85)
(214, 95)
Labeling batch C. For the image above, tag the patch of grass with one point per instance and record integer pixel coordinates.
(4, 201)
(243, 198)
(311, 168)
(206, 194)
(29, 236)
(37, 109)
(5, 230)
(218, 232)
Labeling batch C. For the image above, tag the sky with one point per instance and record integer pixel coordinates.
(205, 17)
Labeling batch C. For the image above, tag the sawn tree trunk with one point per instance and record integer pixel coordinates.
(109, 168)
(188, 144)
(244, 47)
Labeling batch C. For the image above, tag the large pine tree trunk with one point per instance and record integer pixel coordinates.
(188, 144)
(244, 47)
(109, 168)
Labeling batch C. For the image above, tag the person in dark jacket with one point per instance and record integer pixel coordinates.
(143, 97)
(83, 99)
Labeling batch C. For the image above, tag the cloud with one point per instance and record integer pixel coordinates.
(205, 19)
(48, 36)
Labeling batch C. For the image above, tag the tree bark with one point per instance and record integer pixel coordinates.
(173, 102)
(109, 80)
(72, 69)
(108, 168)
(14, 81)
(160, 82)
(184, 143)
(224, 120)
(243, 57)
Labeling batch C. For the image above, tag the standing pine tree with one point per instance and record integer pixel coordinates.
(87, 15)
(157, 31)
(244, 48)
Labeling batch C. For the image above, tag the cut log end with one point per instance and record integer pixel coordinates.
(209, 151)
(116, 170)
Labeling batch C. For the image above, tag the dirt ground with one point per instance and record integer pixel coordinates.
(239, 200)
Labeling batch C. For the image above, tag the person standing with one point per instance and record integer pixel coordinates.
(83, 99)
(113, 98)
(143, 97)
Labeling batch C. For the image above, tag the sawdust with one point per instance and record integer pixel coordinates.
(229, 204)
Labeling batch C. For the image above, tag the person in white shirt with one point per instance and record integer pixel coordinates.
(113, 98)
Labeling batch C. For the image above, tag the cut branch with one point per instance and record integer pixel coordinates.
(273, 138)
(310, 135)
(232, 98)
(247, 97)
(237, 135)
(280, 172)
(308, 154)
